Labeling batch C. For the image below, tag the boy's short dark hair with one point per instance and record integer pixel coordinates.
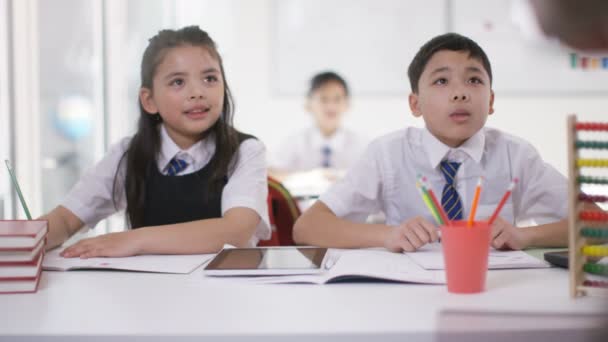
(448, 41)
(323, 78)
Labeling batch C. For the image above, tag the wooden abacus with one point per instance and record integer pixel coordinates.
(588, 228)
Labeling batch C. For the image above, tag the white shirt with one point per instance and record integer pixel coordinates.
(303, 150)
(91, 198)
(385, 178)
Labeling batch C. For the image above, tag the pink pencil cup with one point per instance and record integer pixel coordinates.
(465, 253)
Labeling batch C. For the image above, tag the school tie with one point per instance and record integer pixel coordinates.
(450, 201)
(326, 152)
(176, 166)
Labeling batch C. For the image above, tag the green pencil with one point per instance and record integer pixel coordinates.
(18, 189)
(429, 204)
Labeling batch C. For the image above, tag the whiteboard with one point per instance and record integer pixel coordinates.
(369, 42)
(372, 42)
(521, 65)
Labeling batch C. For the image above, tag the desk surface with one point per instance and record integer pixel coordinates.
(124, 303)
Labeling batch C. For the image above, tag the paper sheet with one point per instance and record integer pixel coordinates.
(181, 264)
(430, 257)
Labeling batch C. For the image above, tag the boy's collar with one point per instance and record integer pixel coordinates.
(437, 151)
(318, 139)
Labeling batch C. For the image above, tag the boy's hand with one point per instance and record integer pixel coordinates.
(506, 236)
(411, 235)
(109, 245)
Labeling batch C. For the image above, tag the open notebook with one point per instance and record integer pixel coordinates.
(430, 257)
(181, 264)
(342, 265)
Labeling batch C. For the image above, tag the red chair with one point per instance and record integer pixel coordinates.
(283, 211)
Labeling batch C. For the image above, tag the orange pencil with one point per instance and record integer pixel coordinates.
(502, 201)
(442, 213)
(475, 202)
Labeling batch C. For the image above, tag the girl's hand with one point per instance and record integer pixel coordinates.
(109, 245)
(411, 235)
(506, 236)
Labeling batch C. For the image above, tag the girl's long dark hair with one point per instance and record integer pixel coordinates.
(145, 145)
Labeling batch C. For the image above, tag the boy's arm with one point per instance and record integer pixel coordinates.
(319, 226)
(62, 224)
(507, 236)
(553, 234)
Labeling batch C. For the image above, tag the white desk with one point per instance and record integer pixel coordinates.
(118, 305)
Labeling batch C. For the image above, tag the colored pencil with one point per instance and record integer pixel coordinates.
(426, 186)
(502, 202)
(429, 204)
(17, 189)
(475, 203)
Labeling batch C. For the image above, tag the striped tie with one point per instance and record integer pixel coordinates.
(326, 161)
(450, 201)
(176, 166)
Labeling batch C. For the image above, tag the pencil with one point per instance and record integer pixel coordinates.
(475, 203)
(502, 201)
(429, 204)
(426, 186)
(18, 189)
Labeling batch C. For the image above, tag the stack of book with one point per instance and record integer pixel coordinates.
(21, 253)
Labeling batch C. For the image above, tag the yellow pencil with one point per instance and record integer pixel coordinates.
(429, 204)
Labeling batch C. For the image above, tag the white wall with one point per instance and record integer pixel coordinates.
(540, 120)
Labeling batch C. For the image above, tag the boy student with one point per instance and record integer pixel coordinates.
(451, 81)
(326, 146)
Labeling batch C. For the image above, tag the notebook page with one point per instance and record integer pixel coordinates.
(181, 264)
(430, 257)
(364, 263)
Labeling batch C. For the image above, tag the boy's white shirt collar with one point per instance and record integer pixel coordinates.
(334, 141)
(169, 149)
(438, 151)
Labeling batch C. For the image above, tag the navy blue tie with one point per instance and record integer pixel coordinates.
(450, 201)
(326, 161)
(176, 166)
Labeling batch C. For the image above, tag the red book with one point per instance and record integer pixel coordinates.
(21, 255)
(21, 270)
(21, 285)
(21, 234)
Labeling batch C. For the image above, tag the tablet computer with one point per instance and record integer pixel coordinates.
(267, 261)
(559, 259)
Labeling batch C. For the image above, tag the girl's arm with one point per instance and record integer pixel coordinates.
(195, 237)
(244, 197)
(90, 200)
(62, 224)
(236, 228)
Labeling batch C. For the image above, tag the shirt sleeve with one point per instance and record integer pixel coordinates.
(358, 194)
(542, 193)
(91, 199)
(248, 186)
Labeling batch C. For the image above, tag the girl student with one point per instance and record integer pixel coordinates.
(188, 181)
